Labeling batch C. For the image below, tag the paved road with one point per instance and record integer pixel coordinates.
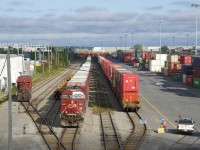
(167, 101)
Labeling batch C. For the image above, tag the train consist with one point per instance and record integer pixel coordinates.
(24, 88)
(123, 82)
(74, 96)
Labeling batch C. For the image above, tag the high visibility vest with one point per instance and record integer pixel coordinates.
(164, 123)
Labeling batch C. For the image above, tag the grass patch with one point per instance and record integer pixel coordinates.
(97, 110)
(4, 99)
(39, 77)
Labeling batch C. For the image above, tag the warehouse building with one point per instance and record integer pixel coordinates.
(18, 66)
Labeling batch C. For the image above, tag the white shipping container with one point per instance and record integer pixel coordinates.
(165, 71)
(184, 78)
(155, 68)
(146, 66)
(157, 63)
(173, 58)
(162, 57)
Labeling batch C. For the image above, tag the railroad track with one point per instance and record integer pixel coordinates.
(111, 139)
(52, 86)
(68, 137)
(110, 136)
(49, 136)
(44, 122)
(138, 133)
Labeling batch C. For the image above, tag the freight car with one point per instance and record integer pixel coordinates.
(125, 84)
(24, 88)
(74, 97)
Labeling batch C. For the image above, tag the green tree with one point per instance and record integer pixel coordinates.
(164, 50)
(138, 48)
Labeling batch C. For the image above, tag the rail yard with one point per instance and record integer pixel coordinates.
(100, 102)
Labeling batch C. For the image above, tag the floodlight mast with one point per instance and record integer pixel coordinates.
(196, 5)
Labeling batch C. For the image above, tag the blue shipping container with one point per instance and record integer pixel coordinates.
(187, 69)
(196, 62)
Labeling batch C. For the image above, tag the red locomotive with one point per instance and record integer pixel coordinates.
(24, 88)
(74, 97)
(124, 83)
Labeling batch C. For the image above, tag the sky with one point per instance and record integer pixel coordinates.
(99, 22)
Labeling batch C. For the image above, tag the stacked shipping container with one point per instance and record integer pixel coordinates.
(125, 83)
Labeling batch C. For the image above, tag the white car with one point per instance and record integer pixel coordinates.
(185, 125)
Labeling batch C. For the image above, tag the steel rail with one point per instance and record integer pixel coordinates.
(52, 131)
(54, 117)
(103, 132)
(115, 131)
(74, 138)
(48, 111)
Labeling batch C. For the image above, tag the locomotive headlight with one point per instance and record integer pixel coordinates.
(81, 108)
(72, 102)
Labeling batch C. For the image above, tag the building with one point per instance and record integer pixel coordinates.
(18, 66)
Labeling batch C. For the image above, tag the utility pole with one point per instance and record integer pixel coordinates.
(120, 43)
(132, 41)
(9, 102)
(196, 5)
(35, 59)
(187, 39)
(125, 41)
(51, 58)
(43, 61)
(48, 58)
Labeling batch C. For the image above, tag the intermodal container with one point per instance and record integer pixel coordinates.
(196, 83)
(129, 96)
(187, 69)
(129, 82)
(189, 80)
(178, 77)
(173, 58)
(184, 78)
(196, 72)
(185, 59)
(196, 62)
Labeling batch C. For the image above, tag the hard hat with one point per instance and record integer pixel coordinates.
(163, 119)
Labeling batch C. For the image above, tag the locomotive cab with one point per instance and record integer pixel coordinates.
(24, 88)
(72, 107)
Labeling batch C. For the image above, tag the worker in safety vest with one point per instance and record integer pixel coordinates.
(164, 125)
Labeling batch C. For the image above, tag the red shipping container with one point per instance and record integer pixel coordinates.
(129, 82)
(177, 67)
(111, 70)
(129, 96)
(189, 80)
(185, 59)
(118, 79)
(143, 55)
(196, 72)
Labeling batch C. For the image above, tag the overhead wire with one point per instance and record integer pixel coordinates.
(3, 66)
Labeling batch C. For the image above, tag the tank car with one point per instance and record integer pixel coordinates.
(74, 97)
(24, 88)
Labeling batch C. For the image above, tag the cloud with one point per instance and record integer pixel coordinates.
(181, 3)
(88, 27)
(19, 3)
(87, 9)
(158, 7)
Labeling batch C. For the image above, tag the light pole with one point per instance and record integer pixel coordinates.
(172, 42)
(196, 5)
(132, 40)
(125, 41)
(120, 42)
(160, 22)
(187, 39)
(142, 29)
